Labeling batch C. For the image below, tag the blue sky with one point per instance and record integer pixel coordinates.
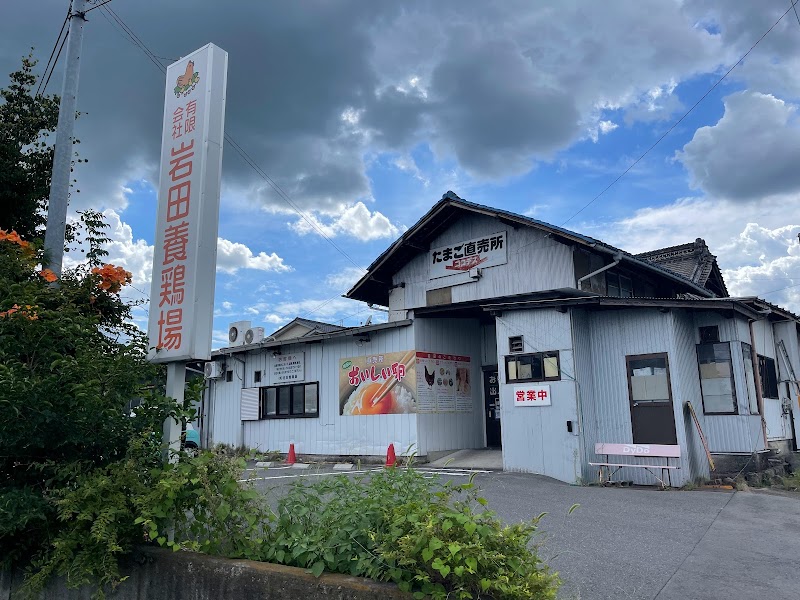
(367, 113)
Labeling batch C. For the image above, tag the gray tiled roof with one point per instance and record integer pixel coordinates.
(693, 261)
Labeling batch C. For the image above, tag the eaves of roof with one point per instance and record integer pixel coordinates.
(373, 289)
(308, 339)
(731, 304)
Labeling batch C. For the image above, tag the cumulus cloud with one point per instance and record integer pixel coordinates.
(752, 152)
(331, 310)
(355, 221)
(498, 87)
(344, 279)
(232, 256)
(757, 258)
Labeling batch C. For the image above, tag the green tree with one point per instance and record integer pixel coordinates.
(70, 364)
(26, 152)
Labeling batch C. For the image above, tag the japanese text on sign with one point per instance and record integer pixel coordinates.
(288, 368)
(185, 248)
(357, 375)
(486, 251)
(532, 395)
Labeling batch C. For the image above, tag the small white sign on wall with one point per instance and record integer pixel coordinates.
(287, 368)
(532, 395)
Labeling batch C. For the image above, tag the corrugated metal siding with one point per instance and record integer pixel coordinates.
(535, 263)
(787, 332)
(764, 338)
(731, 433)
(615, 336)
(584, 373)
(686, 387)
(777, 423)
(452, 431)
(734, 433)
(535, 439)
(488, 345)
(330, 433)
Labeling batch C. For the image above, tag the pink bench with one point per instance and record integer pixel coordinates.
(630, 452)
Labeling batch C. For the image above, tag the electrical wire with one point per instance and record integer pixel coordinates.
(686, 114)
(39, 89)
(97, 6)
(60, 48)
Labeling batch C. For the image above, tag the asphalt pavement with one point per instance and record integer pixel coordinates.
(641, 543)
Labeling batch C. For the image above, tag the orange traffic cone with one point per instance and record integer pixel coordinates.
(291, 458)
(391, 459)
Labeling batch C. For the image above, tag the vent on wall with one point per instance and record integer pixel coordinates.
(515, 344)
(709, 334)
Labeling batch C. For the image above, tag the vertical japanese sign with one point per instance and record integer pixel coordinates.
(185, 254)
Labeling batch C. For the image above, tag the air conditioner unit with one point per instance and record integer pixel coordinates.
(213, 370)
(253, 335)
(236, 333)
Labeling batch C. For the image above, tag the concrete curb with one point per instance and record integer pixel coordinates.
(159, 574)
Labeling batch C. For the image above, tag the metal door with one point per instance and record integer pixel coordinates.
(491, 395)
(650, 393)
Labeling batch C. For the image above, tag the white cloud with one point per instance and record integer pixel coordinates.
(601, 128)
(355, 221)
(232, 256)
(407, 164)
(757, 259)
(344, 279)
(752, 152)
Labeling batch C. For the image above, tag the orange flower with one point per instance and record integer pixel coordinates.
(28, 312)
(48, 275)
(12, 237)
(112, 278)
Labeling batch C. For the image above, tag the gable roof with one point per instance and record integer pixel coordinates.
(693, 261)
(374, 286)
(314, 327)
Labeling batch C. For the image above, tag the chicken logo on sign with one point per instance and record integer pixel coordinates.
(187, 82)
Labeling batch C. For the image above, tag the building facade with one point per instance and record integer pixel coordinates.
(507, 332)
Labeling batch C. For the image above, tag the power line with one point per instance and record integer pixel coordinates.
(235, 145)
(97, 6)
(794, 6)
(53, 51)
(686, 114)
(788, 287)
(46, 81)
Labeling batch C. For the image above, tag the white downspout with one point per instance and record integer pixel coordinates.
(617, 259)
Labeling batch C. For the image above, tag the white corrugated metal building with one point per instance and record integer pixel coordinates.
(505, 331)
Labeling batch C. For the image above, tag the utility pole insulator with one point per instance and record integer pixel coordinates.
(62, 159)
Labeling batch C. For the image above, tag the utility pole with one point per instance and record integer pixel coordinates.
(62, 159)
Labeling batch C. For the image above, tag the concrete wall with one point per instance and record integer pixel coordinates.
(535, 262)
(535, 438)
(156, 574)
